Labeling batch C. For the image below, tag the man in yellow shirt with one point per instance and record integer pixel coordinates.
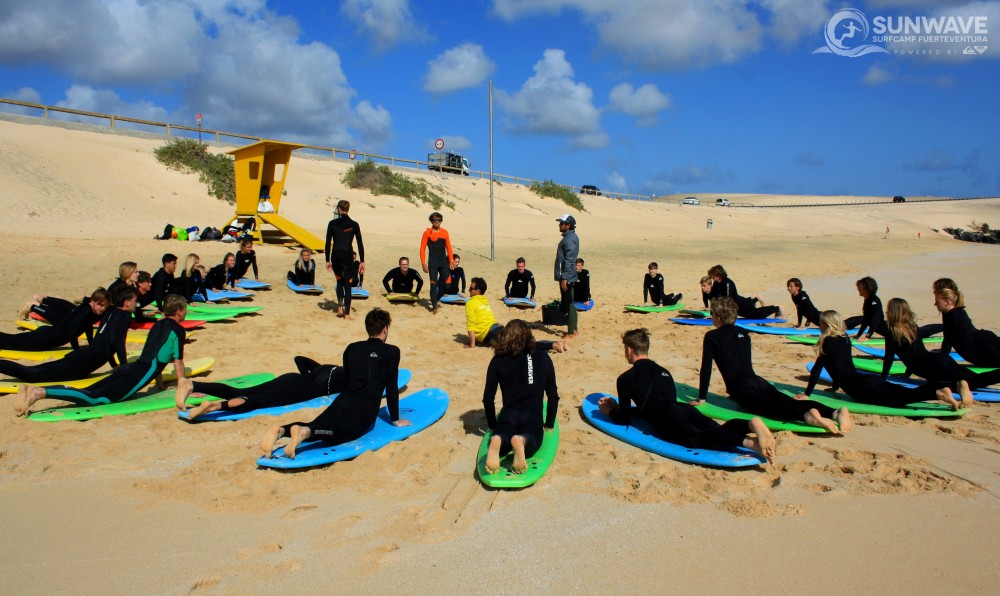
(483, 326)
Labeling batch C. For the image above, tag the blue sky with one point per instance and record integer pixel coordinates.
(639, 96)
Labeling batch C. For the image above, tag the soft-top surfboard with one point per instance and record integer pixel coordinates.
(304, 288)
(584, 306)
(191, 368)
(696, 313)
(722, 408)
(812, 340)
(538, 463)
(191, 322)
(216, 295)
(252, 284)
(357, 292)
(879, 352)
(898, 368)
(640, 434)
(139, 325)
(520, 302)
(652, 309)
(135, 336)
(918, 409)
(317, 402)
(422, 409)
(161, 400)
(984, 394)
(229, 309)
(401, 297)
(45, 354)
(453, 299)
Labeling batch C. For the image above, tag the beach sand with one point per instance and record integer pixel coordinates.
(149, 503)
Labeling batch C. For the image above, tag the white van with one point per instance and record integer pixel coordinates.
(722, 202)
(691, 201)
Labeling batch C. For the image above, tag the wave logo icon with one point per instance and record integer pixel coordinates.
(845, 34)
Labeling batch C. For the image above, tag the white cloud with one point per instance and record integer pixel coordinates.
(25, 94)
(387, 22)
(940, 50)
(616, 182)
(551, 102)
(105, 101)
(643, 103)
(877, 75)
(791, 19)
(460, 67)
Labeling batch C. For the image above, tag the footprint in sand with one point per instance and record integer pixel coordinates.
(298, 512)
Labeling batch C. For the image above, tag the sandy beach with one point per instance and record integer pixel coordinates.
(149, 503)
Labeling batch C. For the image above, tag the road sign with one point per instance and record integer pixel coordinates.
(439, 144)
(352, 154)
(197, 117)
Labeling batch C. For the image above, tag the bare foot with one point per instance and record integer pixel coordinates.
(765, 439)
(520, 464)
(270, 438)
(347, 317)
(434, 310)
(295, 438)
(947, 397)
(22, 395)
(843, 418)
(203, 408)
(184, 388)
(25, 400)
(340, 311)
(493, 455)
(813, 418)
(966, 393)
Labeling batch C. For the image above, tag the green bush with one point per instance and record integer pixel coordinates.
(214, 170)
(380, 180)
(549, 188)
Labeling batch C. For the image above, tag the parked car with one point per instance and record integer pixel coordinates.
(590, 189)
(690, 201)
(722, 202)
(898, 199)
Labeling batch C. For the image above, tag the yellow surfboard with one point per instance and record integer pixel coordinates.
(45, 354)
(135, 336)
(191, 368)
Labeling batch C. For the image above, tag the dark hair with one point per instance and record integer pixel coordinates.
(480, 284)
(455, 256)
(868, 284)
(344, 205)
(123, 294)
(795, 282)
(376, 320)
(169, 258)
(718, 270)
(173, 304)
(638, 340)
(437, 215)
(401, 259)
(652, 265)
(944, 282)
(143, 277)
(101, 296)
(519, 261)
(515, 339)
(579, 261)
(228, 254)
(246, 241)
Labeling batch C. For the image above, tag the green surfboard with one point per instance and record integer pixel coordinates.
(149, 403)
(538, 463)
(812, 340)
(703, 314)
(898, 368)
(721, 408)
(652, 309)
(199, 307)
(839, 400)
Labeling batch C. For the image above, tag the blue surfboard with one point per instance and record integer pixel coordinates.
(983, 395)
(304, 289)
(357, 292)
(216, 295)
(640, 434)
(520, 302)
(422, 408)
(252, 284)
(584, 306)
(879, 352)
(317, 402)
(453, 299)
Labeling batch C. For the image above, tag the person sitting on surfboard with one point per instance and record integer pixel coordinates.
(981, 347)
(371, 367)
(482, 325)
(871, 319)
(729, 347)
(73, 321)
(455, 275)
(520, 281)
(651, 388)
(246, 259)
(303, 273)
(581, 291)
(163, 279)
(706, 290)
(652, 289)
(192, 280)
(312, 380)
(402, 279)
(833, 353)
(723, 286)
(525, 375)
(803, 305)
(164, 344)
(222, 274)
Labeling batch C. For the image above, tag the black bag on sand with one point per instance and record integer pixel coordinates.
(211, 233)
(552, 314)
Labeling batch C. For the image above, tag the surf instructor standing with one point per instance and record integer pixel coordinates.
(565, 270)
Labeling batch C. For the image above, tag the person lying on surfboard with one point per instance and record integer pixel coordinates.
(651, 388)
(981, 347)
(371, 367)
(222, 274)
(723, 286)
(652, 288)
(804, 307)
(303, 273)
(482, 325)
(525, 375)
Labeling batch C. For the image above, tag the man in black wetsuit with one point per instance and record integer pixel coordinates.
(163, 280)
(402, 279)
(652, 288)
(520, 281)
(341, 233)
(803, 305)
(651, 388)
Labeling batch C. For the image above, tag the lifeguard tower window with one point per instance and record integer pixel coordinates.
(254, 170)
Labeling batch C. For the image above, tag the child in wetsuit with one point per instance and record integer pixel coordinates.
(803, 305)
(980, 347)
(652, 288)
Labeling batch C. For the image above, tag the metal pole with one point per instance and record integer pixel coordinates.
(492, 243)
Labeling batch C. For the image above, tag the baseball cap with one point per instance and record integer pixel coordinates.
(567, 219)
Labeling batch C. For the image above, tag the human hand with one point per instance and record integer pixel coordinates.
(402, 422)
(329, 266)
(696, 402)
(424, 267)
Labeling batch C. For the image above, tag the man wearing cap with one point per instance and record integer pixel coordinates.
(565, 270)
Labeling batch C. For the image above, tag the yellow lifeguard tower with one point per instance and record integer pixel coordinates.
(261, 169)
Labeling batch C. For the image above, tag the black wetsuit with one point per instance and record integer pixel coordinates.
(245, 262)
(218, 277)
(519, 285)
(341, 233)
(805, 309)
(864, 387)
(938, 369)
(371, 367)
(164, 344)
(163, 284)
(651, 388)
(981, 347)
(729, 347)
(652, 290)
(744, 306)
(108, 347)
(402, 284)
(48, 337)
(313, 380)
(872, 319)
(53, 309)
(118, 283)
(188, 286)
(456, 275)
(581, 291)
(523, 379)
(303, 277)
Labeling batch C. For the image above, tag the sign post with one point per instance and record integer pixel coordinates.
(197, 118)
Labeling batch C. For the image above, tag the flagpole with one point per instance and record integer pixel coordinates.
(492, 244)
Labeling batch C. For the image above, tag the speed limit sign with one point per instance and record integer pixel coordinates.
(439, 144)
(352, 154)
